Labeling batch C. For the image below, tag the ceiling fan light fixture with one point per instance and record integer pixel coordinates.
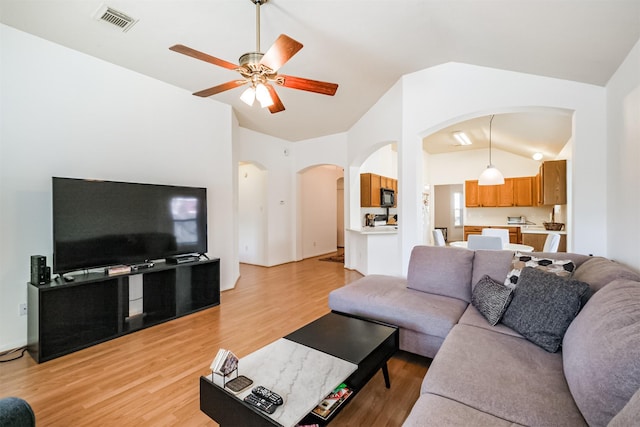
(248, 96)
(263, 95)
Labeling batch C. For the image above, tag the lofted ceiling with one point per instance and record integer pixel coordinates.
(523, 134)
(363, 45)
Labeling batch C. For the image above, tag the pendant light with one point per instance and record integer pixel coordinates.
(491, 175)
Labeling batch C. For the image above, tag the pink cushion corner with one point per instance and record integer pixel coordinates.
(442, 271)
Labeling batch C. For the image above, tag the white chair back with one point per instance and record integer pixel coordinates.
(438, 238)
(503, 233)
(552, 243)
(475, 241)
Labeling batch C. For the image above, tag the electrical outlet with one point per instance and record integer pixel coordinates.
(23, 309)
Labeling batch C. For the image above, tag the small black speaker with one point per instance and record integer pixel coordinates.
(38, 269)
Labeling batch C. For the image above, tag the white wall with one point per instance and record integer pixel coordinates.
(623, 160)
(68, 114)
(252, 214)
(276, 158)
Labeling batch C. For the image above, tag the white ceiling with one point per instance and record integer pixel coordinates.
(523, 134)
(363, 45)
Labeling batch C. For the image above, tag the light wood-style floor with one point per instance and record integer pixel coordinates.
(150, 377)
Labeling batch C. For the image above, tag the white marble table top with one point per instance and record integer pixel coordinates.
(301, 375)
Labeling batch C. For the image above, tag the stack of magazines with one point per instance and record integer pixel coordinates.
(224, 363)
(332, 401)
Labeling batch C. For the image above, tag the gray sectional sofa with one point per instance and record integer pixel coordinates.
(494, 375)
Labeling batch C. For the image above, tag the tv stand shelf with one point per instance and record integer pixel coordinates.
(67, 316)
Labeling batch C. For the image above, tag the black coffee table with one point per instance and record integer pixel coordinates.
(365, 344)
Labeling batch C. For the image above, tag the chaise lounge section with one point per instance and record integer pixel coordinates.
(569, 357)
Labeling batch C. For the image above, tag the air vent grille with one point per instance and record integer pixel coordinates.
(114, 17)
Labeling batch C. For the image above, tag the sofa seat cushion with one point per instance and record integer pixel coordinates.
(387, 299)
(502, 375)
(433, 410)
(442, 271)
(473, 317)
(601, 351)
(599, 271)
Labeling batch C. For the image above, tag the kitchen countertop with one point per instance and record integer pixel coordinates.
(381, 229)
(530, 229)
(527, 229)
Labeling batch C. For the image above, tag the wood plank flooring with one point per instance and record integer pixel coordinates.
(150, 377)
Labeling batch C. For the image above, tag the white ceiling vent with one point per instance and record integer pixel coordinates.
(114, 17)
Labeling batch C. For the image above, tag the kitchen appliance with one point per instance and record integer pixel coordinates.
(387, 197)
(516, 220)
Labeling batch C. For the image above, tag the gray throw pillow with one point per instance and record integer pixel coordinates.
(491, 298)
(543, 307)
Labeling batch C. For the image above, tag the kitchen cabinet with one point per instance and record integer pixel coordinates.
(505, 193)
(480, 195)
(551, 183)
(370, 185)
(523, 191)
(514, 192)
(515, 234)
(471, 196)
(537, 241)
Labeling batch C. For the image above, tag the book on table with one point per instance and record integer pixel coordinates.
(332, 402)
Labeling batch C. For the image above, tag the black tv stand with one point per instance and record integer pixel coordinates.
(64, 317)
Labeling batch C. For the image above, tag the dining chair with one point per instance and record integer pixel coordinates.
(476, 241)
(551, 243)
(503, 233)
(438, 238)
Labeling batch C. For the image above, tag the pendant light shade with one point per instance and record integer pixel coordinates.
(491, 175)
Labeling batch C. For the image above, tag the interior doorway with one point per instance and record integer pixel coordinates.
(448, 203)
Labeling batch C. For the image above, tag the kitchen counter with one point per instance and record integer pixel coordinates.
(381, 229)
(527, 229)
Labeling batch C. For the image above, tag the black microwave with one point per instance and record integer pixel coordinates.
(387, 197)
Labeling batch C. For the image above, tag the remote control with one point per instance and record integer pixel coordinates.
(260, 403)
(267, 394)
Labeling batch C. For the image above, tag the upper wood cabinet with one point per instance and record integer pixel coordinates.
(514, 192)
(505, 193)
(523, 191)
(551, 183)
(370, 185)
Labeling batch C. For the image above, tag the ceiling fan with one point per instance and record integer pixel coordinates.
(260, 71)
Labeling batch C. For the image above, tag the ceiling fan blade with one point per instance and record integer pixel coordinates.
(220, 88)
(203, 56)
(309, 85)
(280, 52)
(277, 103)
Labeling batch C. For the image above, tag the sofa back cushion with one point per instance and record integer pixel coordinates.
(600, 352)
(495, 264)
(441, 270)
(598, 271)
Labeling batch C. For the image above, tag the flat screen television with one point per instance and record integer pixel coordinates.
(104, 223)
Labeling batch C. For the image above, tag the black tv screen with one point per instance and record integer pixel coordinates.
(103, 223)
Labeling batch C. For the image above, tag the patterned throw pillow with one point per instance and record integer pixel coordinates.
(562, 268)
(543, 307)
(491, 298)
